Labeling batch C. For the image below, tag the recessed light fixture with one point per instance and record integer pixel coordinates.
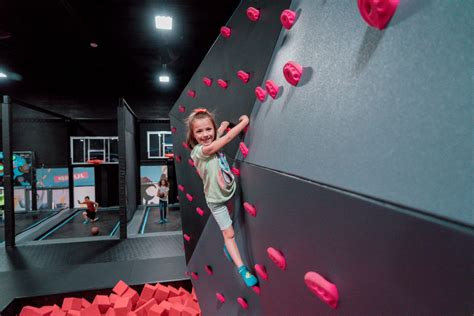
(94, 45)
(2, 75)
(163, 22)
(164, 78)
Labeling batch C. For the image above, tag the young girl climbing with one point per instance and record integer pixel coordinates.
(206, 141)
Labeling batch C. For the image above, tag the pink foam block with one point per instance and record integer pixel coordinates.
(191, 162)
(191, 93)
(260, 93)
(207, 81)
(187, 237)
(243, 76)
(288, 18)
(189, 197)
(49, 309)
(122, 306)
(208, 269)
(185, 145)
(253, 14)
(200, 211)
(59, 313)
(145, 307)
(161, 293)
(243, 149)
(177, 158)
(176, 309)
(132, 314)
(277, 257)
(148, 292)
(110, 312)
(102, 302)
(235, 171)
(322, 288)
(113, 298)
(220, 297)
(92, 310)
(272, 88)
(256, 289)
(292, 72)
(74, 313)
(133, 295)
(225, 31)
(377, 13)
(85, 303)
(173, 291)
(242, 302)
(195, 276)
(261, 271)
(181, 187)
(250, 209)
(222, 83)
(181, 108)
(71, 303)
(30, 311)
(188, 311)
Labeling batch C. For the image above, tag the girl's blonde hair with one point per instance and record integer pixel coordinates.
(196, 115)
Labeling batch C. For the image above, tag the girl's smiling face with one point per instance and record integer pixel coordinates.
(203, 131)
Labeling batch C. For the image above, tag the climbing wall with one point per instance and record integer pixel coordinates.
(355, 196)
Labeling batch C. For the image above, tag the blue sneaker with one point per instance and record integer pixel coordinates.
(227, 254)
(249, 279)
(85, 222)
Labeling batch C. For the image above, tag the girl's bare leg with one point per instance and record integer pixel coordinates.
(229, 239)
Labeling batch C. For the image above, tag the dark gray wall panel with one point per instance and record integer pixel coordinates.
(384, 113)
(384, 260)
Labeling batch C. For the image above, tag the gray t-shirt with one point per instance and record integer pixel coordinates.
(165, 190)
(218, 180)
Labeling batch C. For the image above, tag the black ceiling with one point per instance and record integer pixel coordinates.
(45, 45)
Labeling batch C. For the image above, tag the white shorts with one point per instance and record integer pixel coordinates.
(221, 214)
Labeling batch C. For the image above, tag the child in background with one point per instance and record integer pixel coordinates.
(163, 190)
(90, 213)
(219, 186)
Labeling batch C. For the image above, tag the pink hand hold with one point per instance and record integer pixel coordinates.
(243, 149)
(195, 275)
(225, 31)
(292, 72)
(227, 129)
(243, 302)
(272, 88)
(200, 211)
(277, 257)
(181, 187)
(235, 171)
(181, 108)
(187, 237)
(192, 93)
(377, 13)
(256, 289)
(322, 288)
(191, 162)
(185, 145)
(260, 93)
(220, 297)
(208, 270)
(178, 158)
(189, 197)
(207, 81)
(288, 18)
(261, 271)
(173, 129)
(243, 76)
(222, 83)
(253, 14)
(250, 209)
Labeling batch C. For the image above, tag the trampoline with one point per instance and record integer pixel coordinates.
(73, 226)
(27, 220)
(151, 221)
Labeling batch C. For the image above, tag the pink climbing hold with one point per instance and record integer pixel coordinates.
(195, 275)
(207, 81)
(243, 149)
(261, 271)
(178, 158)
(322, 288)
(288, 18)
(277, 257)
(185, 145)
(260, 93)
(187, 237)
(225, 31)
(243, 76)
(200, 211)
(222, 83)
(191, 162)
(256, 289)
(250, 209)
(189, 197)
(220, 297)
(173, 129)
(243, 302)
(292, 72)
(235, 171)
(253, 14)
(192, 93)
(181, 108)
(208, 270)
(377, 13)
(272, 88)
(181, 187)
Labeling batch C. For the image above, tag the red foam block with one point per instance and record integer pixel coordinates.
(71, 304)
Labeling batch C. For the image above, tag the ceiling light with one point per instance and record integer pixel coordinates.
(163, 22)
(2, 75)
(164, 78)
(94, 45)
